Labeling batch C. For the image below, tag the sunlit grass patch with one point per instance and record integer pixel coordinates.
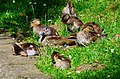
(108, 56)
(105, 51)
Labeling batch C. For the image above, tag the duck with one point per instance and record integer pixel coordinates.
(69, 9)
(25, 49)
(86, 36)
(97, 29)
(73, 22)
(53, 40)
(38, 27)
(93, 67)
(60, 62)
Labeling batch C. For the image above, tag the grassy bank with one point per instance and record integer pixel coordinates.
(15, 18)
(106, 14)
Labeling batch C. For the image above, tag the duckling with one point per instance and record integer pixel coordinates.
(86, 36)
(74, 22)
(94, 66)
(49, 31)
(38, 28)
(58, 41)
(25, 49)
(97, 29)
(69, 10)
(60, 62)
(36, 25)
(47, 38)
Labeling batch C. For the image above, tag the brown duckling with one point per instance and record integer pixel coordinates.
(74, 22)
(38, 28)
(60, 62)
(69, 10)
(49, 31)
(25, 49)
(58, 41)
(97, 29)
(47, 38)
(94, 66)
(36, 25)
(86, 36)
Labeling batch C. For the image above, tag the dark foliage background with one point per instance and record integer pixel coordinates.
(16, 16)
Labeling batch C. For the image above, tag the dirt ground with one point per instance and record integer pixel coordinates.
(16, 67)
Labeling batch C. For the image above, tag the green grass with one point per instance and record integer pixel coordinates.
(103, 12)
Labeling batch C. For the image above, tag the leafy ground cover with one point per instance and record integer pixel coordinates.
(15, 18)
